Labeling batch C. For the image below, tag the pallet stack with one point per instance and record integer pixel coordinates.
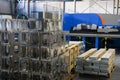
(96, 62)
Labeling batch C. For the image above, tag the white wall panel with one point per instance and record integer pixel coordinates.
(99, 6)
(81, 6)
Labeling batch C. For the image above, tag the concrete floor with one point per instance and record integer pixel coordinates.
(115, 74)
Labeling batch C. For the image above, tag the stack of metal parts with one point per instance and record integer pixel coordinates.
(30, 55)
(51, 42)
(32, 49)
(10, 48)
(40, 50)
(96, 62)
(107, 62)
(51, 49)
(29, 52)
(81, 60)
(20, 57)
(40, 53)
(92, 63)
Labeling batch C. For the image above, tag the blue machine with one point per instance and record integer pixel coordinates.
(72, 20)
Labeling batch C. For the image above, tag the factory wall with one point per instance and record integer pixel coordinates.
(91, 6)
(81, 6)
(85, 6)
(37, 6)
(101, 6)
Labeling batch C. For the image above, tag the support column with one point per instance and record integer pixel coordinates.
(84, 41)
(74, 6)
(97, 42)
(63, 6)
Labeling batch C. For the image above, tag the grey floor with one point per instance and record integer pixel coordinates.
(115, 74)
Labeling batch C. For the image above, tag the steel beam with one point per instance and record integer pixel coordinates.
(92, 35)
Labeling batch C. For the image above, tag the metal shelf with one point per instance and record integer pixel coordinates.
(66, 33)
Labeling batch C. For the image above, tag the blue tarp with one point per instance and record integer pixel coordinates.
(71, 20)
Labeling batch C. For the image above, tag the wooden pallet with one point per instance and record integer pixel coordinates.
(69, 57)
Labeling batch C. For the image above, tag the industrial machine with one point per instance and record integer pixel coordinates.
(96, 30)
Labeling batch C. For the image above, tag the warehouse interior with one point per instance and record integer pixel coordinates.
(59, 39)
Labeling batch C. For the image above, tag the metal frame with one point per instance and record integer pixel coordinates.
(91, 35)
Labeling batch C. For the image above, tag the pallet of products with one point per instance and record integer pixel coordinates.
(107, 64)
(100, 63)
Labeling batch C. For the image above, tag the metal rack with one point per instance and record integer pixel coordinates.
(97, 35)
(91, 35)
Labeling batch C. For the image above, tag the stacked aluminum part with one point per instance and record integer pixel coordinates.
(51, 44)
(81, 60)
(93, 61)
(30, 58)
(96, 62)
(9, 64)
(19, 47)
(9, 50)
(31, 49)
(50, 51)
(32, 53)
(107, 64)
(29, 52)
